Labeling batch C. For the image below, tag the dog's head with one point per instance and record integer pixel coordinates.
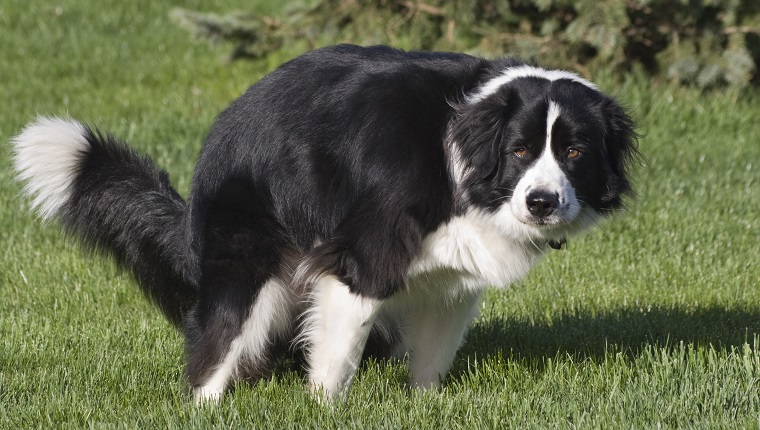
(544, 151)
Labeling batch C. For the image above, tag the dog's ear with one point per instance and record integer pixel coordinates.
(477, 131)
(621, 150)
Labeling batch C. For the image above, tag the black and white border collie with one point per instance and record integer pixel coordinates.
(352, 194)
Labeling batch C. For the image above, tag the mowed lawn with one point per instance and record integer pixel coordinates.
(651, 320)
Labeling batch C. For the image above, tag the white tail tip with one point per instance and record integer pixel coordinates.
(46, 154)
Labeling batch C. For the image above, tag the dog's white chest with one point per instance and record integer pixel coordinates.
(469, 252)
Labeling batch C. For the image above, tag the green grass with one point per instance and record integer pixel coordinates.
(654, 319)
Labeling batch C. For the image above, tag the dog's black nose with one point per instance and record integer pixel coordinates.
(541, 203)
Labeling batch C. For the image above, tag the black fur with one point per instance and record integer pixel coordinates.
(123, 205)
(344, 147)
(360, 130)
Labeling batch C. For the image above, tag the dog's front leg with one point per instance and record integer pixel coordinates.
(337, 325)
(436, 332)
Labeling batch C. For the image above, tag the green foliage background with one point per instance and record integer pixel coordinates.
(650, 321)
(698, 42)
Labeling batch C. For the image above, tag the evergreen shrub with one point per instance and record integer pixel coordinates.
(696, 42)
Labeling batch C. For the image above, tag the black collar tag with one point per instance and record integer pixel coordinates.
(558, 244)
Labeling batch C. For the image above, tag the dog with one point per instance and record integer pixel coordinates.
(353, 193)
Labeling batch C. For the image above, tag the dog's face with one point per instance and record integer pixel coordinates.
(545, 153)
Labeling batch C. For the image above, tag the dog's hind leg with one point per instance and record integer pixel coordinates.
(243, 305)
(222, 354)
(214, 331)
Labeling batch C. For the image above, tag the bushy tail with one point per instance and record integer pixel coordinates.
(113, 199)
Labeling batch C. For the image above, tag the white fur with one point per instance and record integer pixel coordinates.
(458, 168)
(47, 152)
(546, 175)
(431, 318)
(473, 251)
(485, 249)
(551, 118)
(434, 335)
(336, 327)
(270, 318)
(509, 75)
(457, 165)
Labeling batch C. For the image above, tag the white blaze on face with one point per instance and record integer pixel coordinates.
(457, 164)
(546, 176)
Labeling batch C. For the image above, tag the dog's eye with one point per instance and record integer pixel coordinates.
(521, 152)
(573, 153)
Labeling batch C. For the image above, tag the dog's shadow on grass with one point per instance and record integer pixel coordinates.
(583, 336)
(628, 331)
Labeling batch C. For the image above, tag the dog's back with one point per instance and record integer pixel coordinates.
(351, 191)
